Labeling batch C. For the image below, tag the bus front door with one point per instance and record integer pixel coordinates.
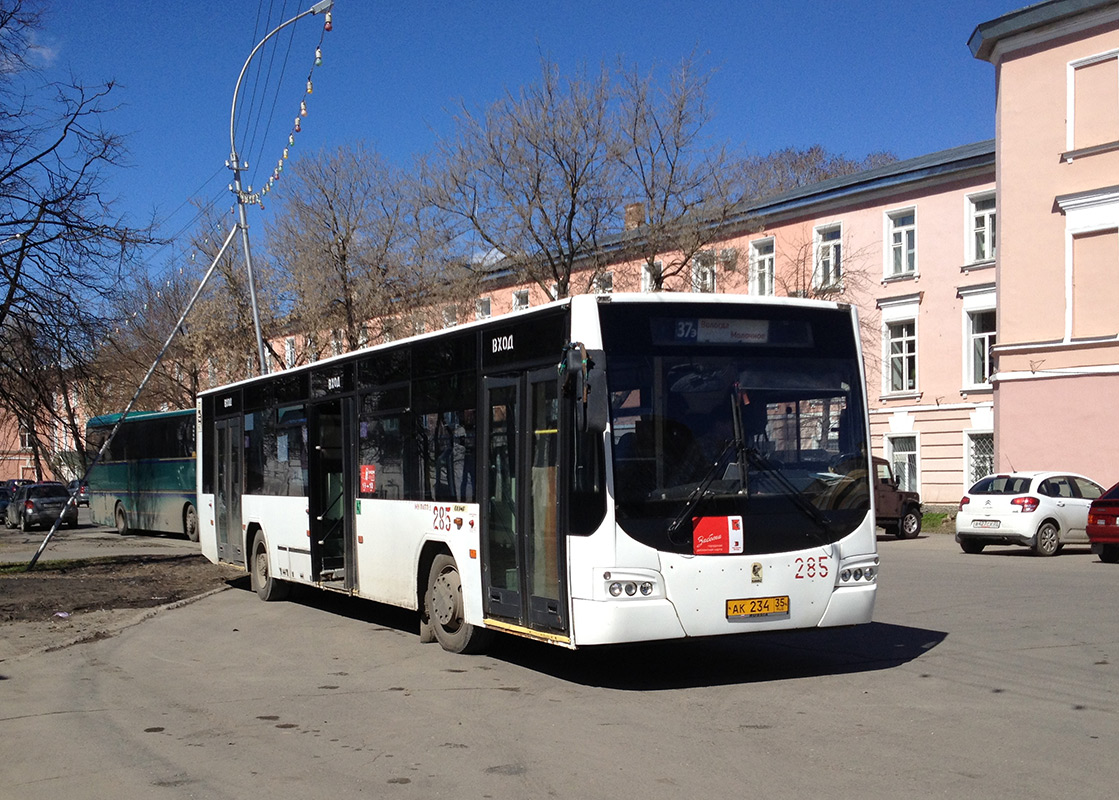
(331, 512)
(523, 552)
(227, 490)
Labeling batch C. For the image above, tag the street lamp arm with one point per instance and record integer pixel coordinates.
(318, 8)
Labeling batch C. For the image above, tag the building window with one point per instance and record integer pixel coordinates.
(24, 438)
(703, 271)
(901, 342)
(981, 338)
(604, 283)
(363, 335)
(520, 300)
(649, 275)
(289, 352)
(982, 223)
(980, 456)
(761, 267)
(903, 458)
(828, 272)
(482, 308)
(1092, 112)
(450, 317)
(903, 242)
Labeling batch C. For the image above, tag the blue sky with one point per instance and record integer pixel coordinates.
(855, 77)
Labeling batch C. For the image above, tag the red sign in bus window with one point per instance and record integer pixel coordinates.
(368, 478)
(716, 535)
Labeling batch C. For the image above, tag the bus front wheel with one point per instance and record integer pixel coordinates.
(445, 610)
(122, 521)
(190, 523)
(267, 586)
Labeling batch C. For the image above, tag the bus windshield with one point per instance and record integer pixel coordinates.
(725, 417)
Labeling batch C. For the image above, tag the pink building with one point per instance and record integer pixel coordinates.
(1057, 151)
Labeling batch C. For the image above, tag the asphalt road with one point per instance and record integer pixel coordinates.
(990, 676)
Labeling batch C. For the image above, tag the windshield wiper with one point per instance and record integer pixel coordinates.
(701, 491)
(760, 462)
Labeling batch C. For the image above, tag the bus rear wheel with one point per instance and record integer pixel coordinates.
(122, 521)
(190, 523)
(267, 586)
(445, 610)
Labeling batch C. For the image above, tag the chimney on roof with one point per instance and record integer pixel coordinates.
(635, 215)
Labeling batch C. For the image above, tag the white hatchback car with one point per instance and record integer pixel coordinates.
(1040, 510)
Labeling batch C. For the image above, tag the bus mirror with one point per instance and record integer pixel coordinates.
(596, 408)
(583, 381)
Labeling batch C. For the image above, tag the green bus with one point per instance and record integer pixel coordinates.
(145, 479)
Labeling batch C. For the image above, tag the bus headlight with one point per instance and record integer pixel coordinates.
(629, 583)
(859, 573)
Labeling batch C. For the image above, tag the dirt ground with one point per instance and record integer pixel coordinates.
(63, 603)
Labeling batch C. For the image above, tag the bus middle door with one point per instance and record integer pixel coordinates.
(330, 505)
(523, 552)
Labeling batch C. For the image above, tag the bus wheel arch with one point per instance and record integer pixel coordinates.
(121, 517)
(190, 522)
(445, 612)
(263, 580)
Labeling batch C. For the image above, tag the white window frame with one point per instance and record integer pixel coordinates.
(892, 228)
(289, 352)
(1070, 92)
(1086, 212)
(762, 273)
(896, 311)
(975, 300)
(969, 463)
(827, 261)
(890, 439)
(703, 272)
(450, 317)
(990, 227)
(520, 300)
(483, 308)
(604, 283)
(649, 275)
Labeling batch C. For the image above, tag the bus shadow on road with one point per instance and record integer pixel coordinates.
(727, 660)
(676, 664)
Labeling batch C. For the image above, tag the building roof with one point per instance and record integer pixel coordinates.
(890, 176)
(988, 34)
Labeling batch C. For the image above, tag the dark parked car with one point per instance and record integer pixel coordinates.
(40, 504)
(5, 496)
(81, 490)
(896, 510)
(1103, 525)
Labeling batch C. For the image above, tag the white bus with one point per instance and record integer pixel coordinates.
(602, 469)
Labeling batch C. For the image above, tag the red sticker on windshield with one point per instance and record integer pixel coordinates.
(716, 535)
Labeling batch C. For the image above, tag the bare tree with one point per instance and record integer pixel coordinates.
(532, 179)
(792, 168)
(358, 254)
(62, 248)
(680, 188)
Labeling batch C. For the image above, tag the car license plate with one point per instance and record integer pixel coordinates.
(757, 607)
(985, 523)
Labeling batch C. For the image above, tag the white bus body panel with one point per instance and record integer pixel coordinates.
(207, 533)
(285, 524)
(391, 535)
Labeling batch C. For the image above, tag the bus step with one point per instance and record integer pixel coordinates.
(332, 575)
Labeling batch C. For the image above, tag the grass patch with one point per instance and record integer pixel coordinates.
(934, 519)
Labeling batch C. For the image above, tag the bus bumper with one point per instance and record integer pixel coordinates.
(615, 621)
(849, 605)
